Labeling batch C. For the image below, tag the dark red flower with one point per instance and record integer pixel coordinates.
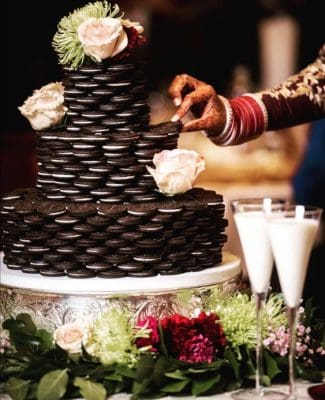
(202, 335)
(154, 338)
(134, 40)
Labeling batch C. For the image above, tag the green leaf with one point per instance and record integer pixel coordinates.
(126, 371)
(162, 366)
(13, 325)
(16, 388)
(24, 342)
(114, 377)
(163, 347)
(47, 339)
(90, 390)
(178, 374)
(53, 385)
(30, 327)
(175, 387)
(145, 367)
(272, 368)
(141, 387)
(203, 385)
(309, 374)
(230, 356)
(266, 381)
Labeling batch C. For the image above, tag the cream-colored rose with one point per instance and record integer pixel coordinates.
(70, 337)
(102, 38)
(45, 108)
(133, 24)
(176, 170)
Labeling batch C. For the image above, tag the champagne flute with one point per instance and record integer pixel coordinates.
(292, 233)
(249, 215)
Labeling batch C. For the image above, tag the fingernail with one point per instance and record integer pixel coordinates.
(177, 101)
(175, 118)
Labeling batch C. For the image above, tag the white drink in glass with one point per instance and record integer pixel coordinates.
(292, 233)
(253, 234)
(250, 219)
(292, 240)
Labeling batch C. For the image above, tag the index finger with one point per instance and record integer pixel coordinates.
(178, 84)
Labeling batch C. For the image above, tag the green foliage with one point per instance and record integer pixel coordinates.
(66, 42)
(52, 385)
(38, 370)
(16, 388)
(90, 390)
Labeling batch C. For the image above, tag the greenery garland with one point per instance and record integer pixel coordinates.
(34, 366)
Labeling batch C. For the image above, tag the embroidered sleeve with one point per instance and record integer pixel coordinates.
(299, 99)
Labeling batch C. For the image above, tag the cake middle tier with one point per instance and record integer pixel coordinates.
(175, 235)
(108, 168)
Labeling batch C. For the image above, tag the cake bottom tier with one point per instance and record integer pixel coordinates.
(53, 238)
(52, 302)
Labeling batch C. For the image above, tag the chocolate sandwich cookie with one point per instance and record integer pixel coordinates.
(81, 210)
(50, 272)
(172, 271)
(30, 270)
(114, 273)
(149, 243)
(99, 235)
(143, 273)
(116, 259)
(73, 92)
(68, 235)
(80, 274)
(98, 266)
(52, 258)
(103, 92)
(144, 197)
(147, 258)
(131, 235)
(113, 122)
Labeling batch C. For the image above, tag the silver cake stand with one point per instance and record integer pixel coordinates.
(54, 301)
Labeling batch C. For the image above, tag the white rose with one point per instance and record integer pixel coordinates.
(45, 108)
(132, 24)
(102, 37)
(176, 170)
(70, 337)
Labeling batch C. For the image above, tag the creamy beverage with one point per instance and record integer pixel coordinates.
(292, 240)
(252, 230)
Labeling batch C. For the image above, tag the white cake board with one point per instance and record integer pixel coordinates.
(227, 270)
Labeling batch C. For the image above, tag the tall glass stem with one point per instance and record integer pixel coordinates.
(292, 319)
(260, 303)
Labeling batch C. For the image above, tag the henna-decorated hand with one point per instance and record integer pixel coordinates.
(191, 94)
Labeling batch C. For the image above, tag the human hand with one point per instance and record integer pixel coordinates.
(192, 94)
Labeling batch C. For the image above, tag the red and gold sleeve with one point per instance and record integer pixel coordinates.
(299, 99)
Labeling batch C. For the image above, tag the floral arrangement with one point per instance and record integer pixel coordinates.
(154, 357)
(45, 108)
(176, 170)
(97, 32)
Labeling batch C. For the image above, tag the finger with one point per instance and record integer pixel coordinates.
(199, 124)
(178, 85)
(184, 107)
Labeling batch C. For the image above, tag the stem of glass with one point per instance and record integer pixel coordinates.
(292, 319)
(260, 302)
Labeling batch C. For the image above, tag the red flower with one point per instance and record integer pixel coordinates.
(193, 339)
(134, 40)
(152, 324)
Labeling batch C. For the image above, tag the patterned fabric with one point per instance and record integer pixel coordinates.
(299, 99)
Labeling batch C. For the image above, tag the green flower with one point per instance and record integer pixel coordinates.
(66, 42)
(111, 339)
(237, 314)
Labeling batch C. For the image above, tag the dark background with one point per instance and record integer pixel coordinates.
(205, 38)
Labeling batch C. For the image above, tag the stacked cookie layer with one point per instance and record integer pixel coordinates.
(55, 238)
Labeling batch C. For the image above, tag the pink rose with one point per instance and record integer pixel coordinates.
(102, 38)
(70, 337)
(176, 170)
(45, 108)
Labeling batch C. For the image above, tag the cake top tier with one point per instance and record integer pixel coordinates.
(96, 32)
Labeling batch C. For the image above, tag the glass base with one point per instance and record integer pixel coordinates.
(253, 394)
